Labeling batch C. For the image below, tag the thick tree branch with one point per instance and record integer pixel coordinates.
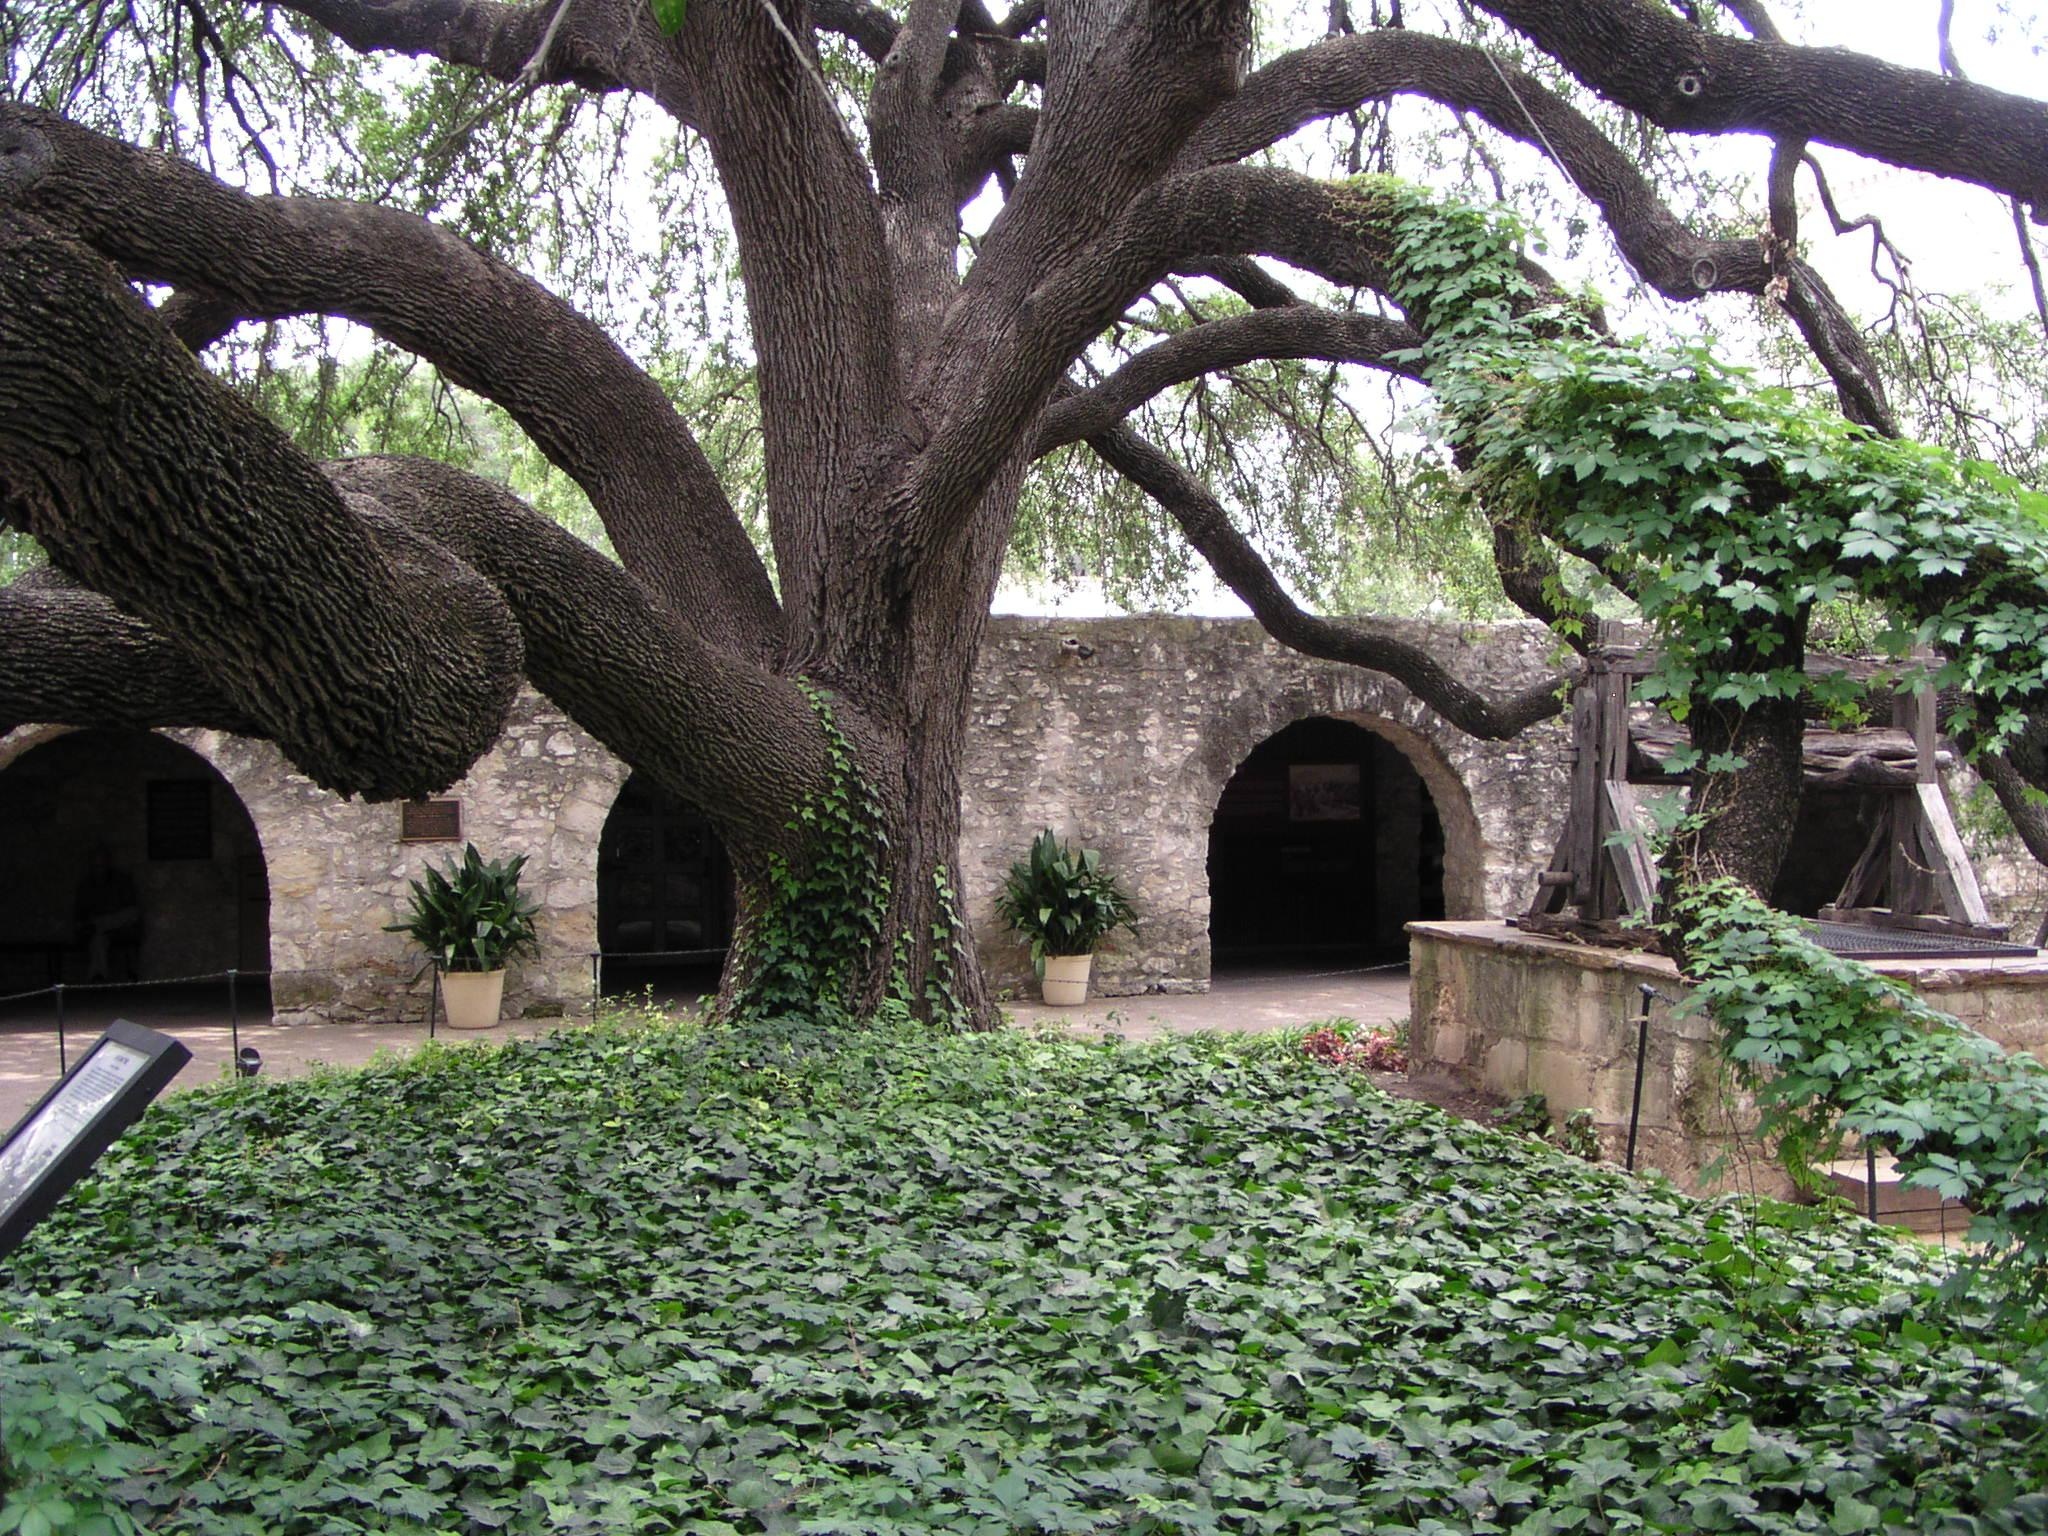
(868, 27)
(1338, 74)
(2022, 804)
(600, 45)
(1358, 642)
(1754, 18)
(1648, 60)
(814, 257)
(582, 400)
(873, 30)
(1297, 331)
(914, 143)
(70, 657)
(199, 319)
(1125, 86)
(725, 734)
(1243, 277)
(995, 136)
(382, 671)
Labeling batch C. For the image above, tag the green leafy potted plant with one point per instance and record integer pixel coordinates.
(1066, 904)
(470, 919)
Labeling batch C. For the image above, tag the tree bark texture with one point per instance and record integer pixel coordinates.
(160, 489)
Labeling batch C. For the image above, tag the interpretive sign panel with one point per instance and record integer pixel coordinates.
(64, 1135)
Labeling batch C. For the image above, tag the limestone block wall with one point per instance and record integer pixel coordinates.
(338, 871)
(1511, 1014)
(1497, 1010)
(1121, 734)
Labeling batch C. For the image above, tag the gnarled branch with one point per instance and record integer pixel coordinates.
(583, 401)
(1647, 59)
(1296, 331)
(725, 733)
(1358, 642)
(381, 668)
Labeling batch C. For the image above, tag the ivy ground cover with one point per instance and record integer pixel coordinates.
(777, 1279)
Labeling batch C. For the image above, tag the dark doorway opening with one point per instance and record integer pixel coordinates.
(1834, 827)
(664, 897)
(1325, 843)
(126, 858)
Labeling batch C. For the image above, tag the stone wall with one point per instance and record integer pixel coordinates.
(1510, 1014)
(1121, 733)
(338, 872)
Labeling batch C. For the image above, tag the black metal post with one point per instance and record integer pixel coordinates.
(63, 1065)
(1870, 1177)
(234, 1016)
(434, 1001)
(1635, 1108)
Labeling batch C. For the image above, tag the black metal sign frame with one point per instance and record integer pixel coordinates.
(56, 1143)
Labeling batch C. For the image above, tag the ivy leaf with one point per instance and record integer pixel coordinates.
(668, 15)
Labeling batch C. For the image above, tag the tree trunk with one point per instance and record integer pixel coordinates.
(859, 916)
(1741, 818)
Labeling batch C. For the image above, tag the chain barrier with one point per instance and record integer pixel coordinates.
(125, 986)
(1360, 970)
(57, 991)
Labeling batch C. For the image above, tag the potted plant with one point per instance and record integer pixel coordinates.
(1066, 903)
(470, 919)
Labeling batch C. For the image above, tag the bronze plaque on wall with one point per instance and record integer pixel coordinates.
(430, 821)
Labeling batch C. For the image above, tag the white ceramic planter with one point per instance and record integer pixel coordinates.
(473, 998)
(1066, 979)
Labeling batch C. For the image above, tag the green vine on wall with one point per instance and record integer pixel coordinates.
(814, 923)
(1728, 512)
(1830, 1048)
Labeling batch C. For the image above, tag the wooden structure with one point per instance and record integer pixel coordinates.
(1914, 873)
(1602, 865)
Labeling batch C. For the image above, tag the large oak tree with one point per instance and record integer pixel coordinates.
(373, 616)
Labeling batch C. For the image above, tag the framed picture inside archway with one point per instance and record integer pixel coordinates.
(1324, 792)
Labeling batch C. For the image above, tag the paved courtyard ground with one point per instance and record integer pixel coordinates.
(198, 1016)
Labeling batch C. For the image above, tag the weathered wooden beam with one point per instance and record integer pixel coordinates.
(1883, 757)
(1955, 879)
(1634, 868)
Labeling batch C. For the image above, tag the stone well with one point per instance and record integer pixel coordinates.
(1509, 1013)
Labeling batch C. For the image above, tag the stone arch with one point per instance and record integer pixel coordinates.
(1387, 710)
(177, 830)
(1399, 841)
(664, 891)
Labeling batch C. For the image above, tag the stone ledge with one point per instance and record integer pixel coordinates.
(1932, 975)
(1492, 933)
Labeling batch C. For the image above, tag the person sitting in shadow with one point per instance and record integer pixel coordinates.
(108, 917)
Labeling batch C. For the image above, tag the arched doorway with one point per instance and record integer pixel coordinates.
(1325, 842)
(126, 857)
(664, 896)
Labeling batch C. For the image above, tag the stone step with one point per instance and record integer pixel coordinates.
(1923, 1211)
